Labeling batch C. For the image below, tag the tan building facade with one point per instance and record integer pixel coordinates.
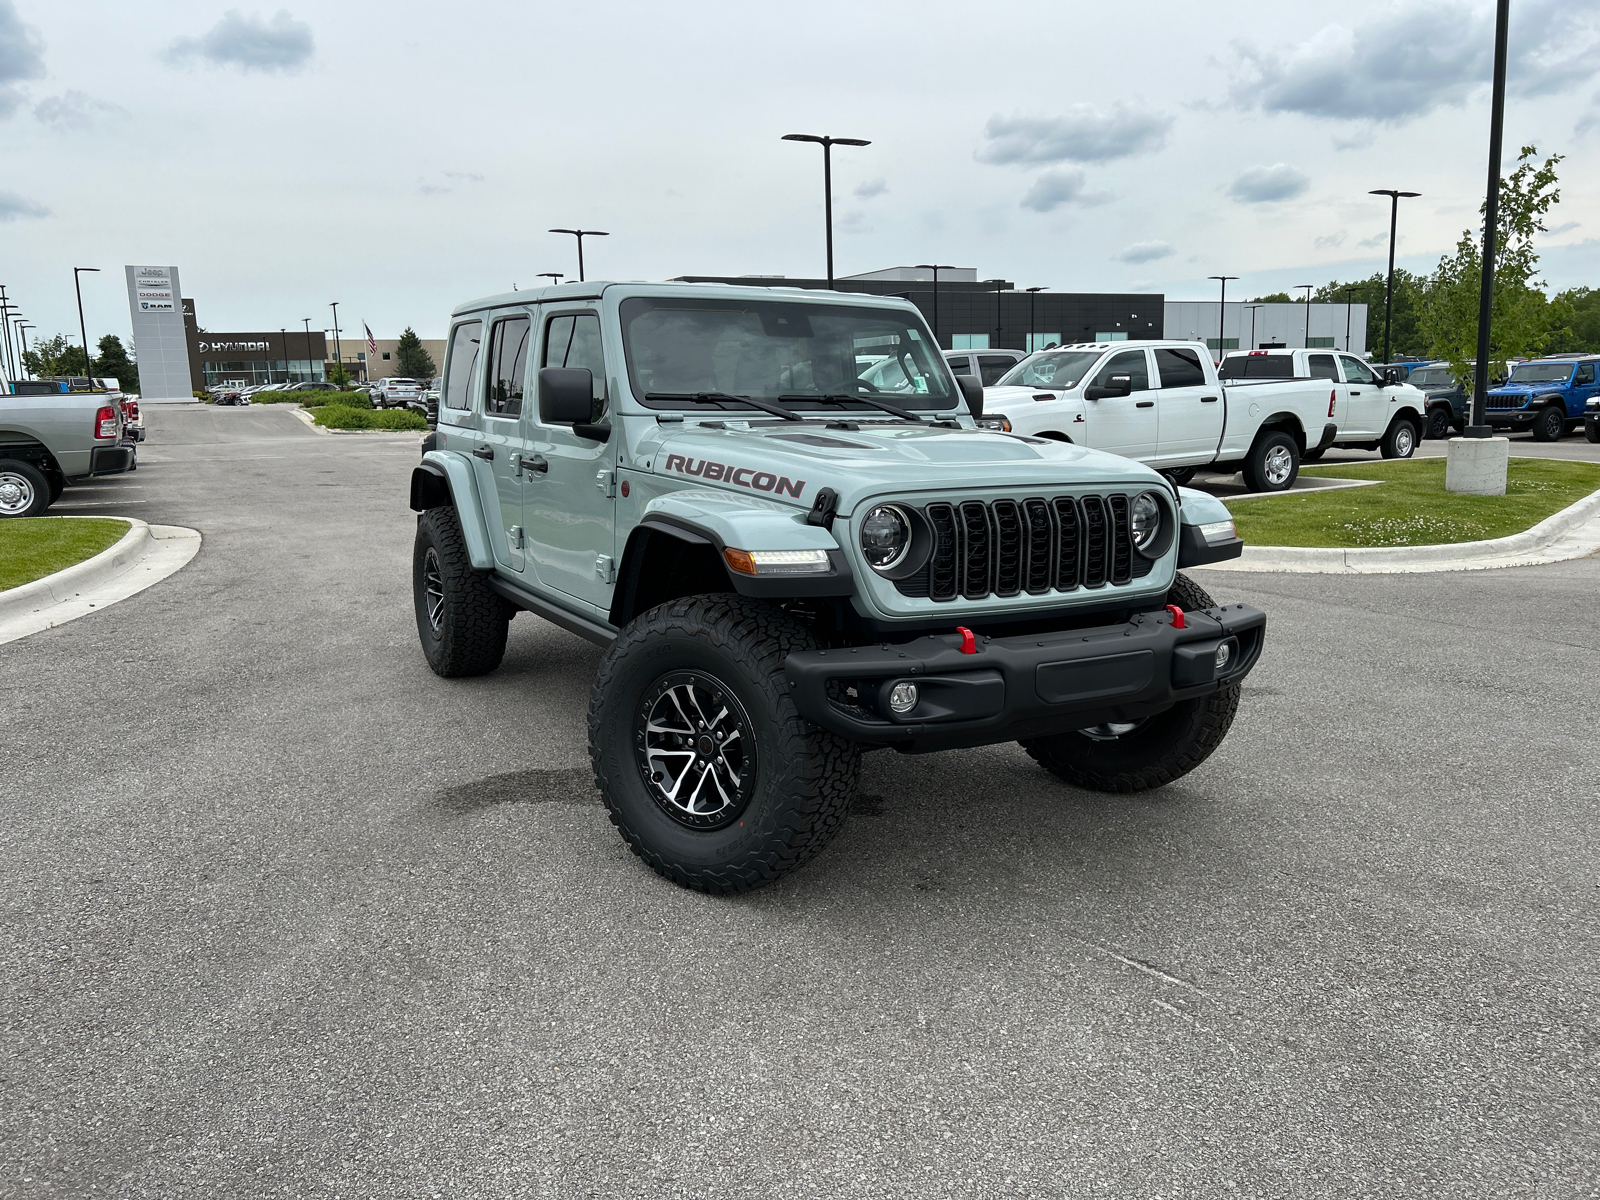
(386, 361)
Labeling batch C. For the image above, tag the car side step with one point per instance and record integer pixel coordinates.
(592, 631)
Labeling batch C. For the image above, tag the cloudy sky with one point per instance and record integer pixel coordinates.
(401, 157)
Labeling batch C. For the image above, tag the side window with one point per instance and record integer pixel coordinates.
(1321, 366)
(1585, 374)
(992, 366)
(573, 341)
(1356, 371)
(1179, 368)
(458, 366)
(1129, 362)
(508, 361)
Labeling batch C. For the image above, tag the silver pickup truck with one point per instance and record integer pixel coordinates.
(50, 438)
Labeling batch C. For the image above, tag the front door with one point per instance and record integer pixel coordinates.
(1189, 410)
(1123, 425)
(571, 504)
(502, 447)
(1365, 405)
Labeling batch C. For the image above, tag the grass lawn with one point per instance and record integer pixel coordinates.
(1410, 507)
(33, 547)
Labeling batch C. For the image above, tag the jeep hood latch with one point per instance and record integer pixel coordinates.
(822, 508)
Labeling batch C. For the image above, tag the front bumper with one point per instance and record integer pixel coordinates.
(1027, 686)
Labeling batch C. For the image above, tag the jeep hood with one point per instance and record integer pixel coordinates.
(791, 462)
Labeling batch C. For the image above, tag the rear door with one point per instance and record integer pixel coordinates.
(571, 503)
(1188, 409)
(1364, 404)
(1125, 425)
(1322, 367)
(501, 452)
(1583, 388)
(462, 429)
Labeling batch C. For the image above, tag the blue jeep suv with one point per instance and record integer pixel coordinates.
(1548, 395)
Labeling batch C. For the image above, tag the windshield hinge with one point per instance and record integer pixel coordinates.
(822, 508)
(605, 568)
(606, 481)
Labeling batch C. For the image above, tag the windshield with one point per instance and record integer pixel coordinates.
(1541, 372)
(773, 350)
(1050, 369)
(1431, 377)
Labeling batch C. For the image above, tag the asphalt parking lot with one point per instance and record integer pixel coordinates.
(286, 915)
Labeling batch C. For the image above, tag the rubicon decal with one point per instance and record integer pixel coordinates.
(761, 481)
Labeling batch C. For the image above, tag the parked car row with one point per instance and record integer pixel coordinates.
(50, 439)
(1166, 404)
(236, 393)
(1549, 397)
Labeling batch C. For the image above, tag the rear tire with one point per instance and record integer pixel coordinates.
(1273, 463)
(1591, 430)
(1400, 440)
(1149, 753)
(461, 622)
(719, 657)
(24, 490)
(1550, 425)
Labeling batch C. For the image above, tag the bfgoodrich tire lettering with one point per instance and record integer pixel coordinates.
(804, 776)
(1148, 753)
(460, 620)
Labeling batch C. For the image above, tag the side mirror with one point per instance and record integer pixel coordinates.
(1116, 385)
(972, 392)
(566, 395)
(1391, 377)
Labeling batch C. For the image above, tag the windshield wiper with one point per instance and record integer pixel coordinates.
(905, 414)
(712, 397)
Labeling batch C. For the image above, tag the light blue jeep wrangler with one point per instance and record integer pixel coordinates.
(777, 512)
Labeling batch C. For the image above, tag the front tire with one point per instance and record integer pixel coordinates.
(1273, 464)
(1400, 440)
(1139, 755)
(1550, 425)
(24, 490)
(1591, 430)
(682, 684)
(1439, 423)
(461, 622)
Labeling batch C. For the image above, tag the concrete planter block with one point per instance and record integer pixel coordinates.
(1477, 466)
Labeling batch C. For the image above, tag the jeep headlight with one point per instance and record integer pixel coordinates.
(1144, 519)
(885, 537)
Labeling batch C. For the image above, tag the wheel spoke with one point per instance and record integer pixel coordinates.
(694, 750)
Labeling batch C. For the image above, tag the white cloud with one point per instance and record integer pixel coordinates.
(1055, 188)
(1142, 252)
(249, 43)
(1329, 240)
(870, 188)
(14, 207)
(1264, 185)
(76, 112)
(1085, 134)
(21, 57)
(1373, 242)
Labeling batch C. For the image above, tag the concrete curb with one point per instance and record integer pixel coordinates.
(145, 555)
(1571, 533)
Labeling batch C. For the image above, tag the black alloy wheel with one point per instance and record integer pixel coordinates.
(695, 749)
(1439, 422)
(1550, 424)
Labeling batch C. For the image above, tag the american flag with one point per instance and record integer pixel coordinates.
(372, 342)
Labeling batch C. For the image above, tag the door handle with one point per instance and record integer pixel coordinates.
(535, 463)
(1355, 391)
(484, 452)
(1145, 404)
(1208, 399)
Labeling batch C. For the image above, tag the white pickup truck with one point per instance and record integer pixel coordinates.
(1160, 402)
(1372, 407)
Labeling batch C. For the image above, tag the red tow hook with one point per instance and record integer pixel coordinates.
(1177, 616)
(969, 644)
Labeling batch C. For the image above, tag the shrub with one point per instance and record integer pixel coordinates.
(340, 416)
(274, 397)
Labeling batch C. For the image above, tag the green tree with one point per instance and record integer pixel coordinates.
(1521, 320)
(54, 356)
(413, 360)
(337, 374)
(1274, 298)
(1574, 320)
(113, 360)
(1410, 295)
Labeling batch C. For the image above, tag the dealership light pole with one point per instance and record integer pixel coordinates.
(827, 144)
(338, 357)
(999, 286)
(88, 363)
(1033, 296)
(310, 376)
(288, 376)
(1388, 293)
(554, 277)
(6, 309)
(22, 327)
(1491, 216)
(1252, 308)
(1309, 287)
(935, 268)
(1222, 313)
(580, 234)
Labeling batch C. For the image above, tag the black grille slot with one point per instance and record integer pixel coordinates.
(942, 566)
(1008, 548)
(1069, 545)
(977, 551)
(1121, 540)
(1036, 518)
(1094, 541)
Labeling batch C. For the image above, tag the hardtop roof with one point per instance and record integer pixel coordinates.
(593, 290)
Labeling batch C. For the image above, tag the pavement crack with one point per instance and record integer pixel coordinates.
(1153, 972)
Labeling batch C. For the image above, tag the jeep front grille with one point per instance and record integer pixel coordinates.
(1493, 401)
(1008, 547)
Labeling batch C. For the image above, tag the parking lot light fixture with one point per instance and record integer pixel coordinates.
(1388, 294)
(338, 357)
(307, 321)
(999, 286)
(827, 144)
(1349, 290)
(1033, 295)
(22, 328)
(1222, 313)
(88, 363)
(1309, 287)
(938, 342)
(9, 313)
(554, 277)
(580, 234)
(1252, 308)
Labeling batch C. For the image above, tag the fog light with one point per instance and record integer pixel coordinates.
(1224, 653)
(903, 698)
